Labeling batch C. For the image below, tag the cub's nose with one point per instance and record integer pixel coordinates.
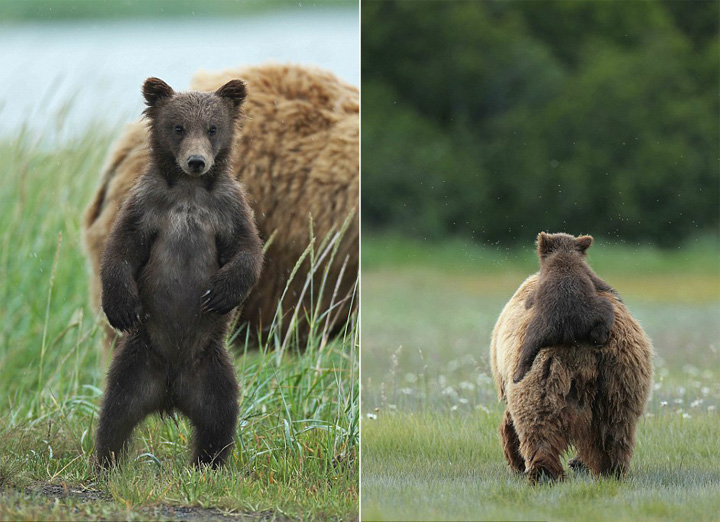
(196, 163)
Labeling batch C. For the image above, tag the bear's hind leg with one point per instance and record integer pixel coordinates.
(542, 429)
(207, 393)
(133, 391)
(608, 453)
(511, 444)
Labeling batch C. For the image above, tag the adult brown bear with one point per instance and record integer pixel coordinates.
(587, 396)
(298, 157)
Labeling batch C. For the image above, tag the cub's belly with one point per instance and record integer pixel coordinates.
(171, 288)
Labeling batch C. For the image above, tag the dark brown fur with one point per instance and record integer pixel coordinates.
(183, 252)
(567, 307)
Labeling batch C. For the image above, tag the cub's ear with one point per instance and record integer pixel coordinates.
(154, 90)
(544, 244)
(233, 91)
(583, 243)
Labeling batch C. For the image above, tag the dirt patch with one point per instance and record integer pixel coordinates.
(55, 492)
(60, 491)
(194, 513)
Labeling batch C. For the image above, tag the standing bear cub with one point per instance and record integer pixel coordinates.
(567, 307)
(183, 252)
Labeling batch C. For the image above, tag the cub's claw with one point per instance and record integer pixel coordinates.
(215, 302)
(519, 374)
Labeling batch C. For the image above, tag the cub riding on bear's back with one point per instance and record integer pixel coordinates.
(567, 309)
(183, 252)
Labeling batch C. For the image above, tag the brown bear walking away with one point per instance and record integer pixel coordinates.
(183, 252)
(585, 396)
(298, 158)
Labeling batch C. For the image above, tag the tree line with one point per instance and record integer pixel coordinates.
(495, 120)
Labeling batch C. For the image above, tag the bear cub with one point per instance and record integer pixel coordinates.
(183, 252)
(568, 309)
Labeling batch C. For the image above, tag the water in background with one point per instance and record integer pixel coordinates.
(73, 74)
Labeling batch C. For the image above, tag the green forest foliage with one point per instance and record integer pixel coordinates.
(495, 120)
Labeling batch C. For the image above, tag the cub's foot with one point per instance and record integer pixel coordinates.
(520, 372)
(102, 463)
(577, 465)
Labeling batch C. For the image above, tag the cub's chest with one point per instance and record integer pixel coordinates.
(189, 216)
(183, 219)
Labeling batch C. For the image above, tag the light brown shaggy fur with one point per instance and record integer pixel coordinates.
(297, 155)
(584, 396)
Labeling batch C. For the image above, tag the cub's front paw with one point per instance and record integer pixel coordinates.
(123, 314)
(220, 298)
(600, 334)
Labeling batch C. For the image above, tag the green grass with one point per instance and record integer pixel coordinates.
(430, 447)
(44, 10)
(296, 449)
(450, 466)
(699, 254)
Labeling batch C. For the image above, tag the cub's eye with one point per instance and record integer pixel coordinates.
(212, 130)
(179, 129)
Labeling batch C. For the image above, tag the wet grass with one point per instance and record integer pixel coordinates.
(295, 453)
(430, 447)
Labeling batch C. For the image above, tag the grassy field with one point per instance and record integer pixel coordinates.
(430, 447)
(296, 448)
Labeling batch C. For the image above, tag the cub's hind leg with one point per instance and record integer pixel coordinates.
(134, 389)
(207, 393)
(537, 336)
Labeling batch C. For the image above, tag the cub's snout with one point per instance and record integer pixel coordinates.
(196, 164)
(195, 155)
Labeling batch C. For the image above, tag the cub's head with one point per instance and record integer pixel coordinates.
(192, 130)
(549, 244)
